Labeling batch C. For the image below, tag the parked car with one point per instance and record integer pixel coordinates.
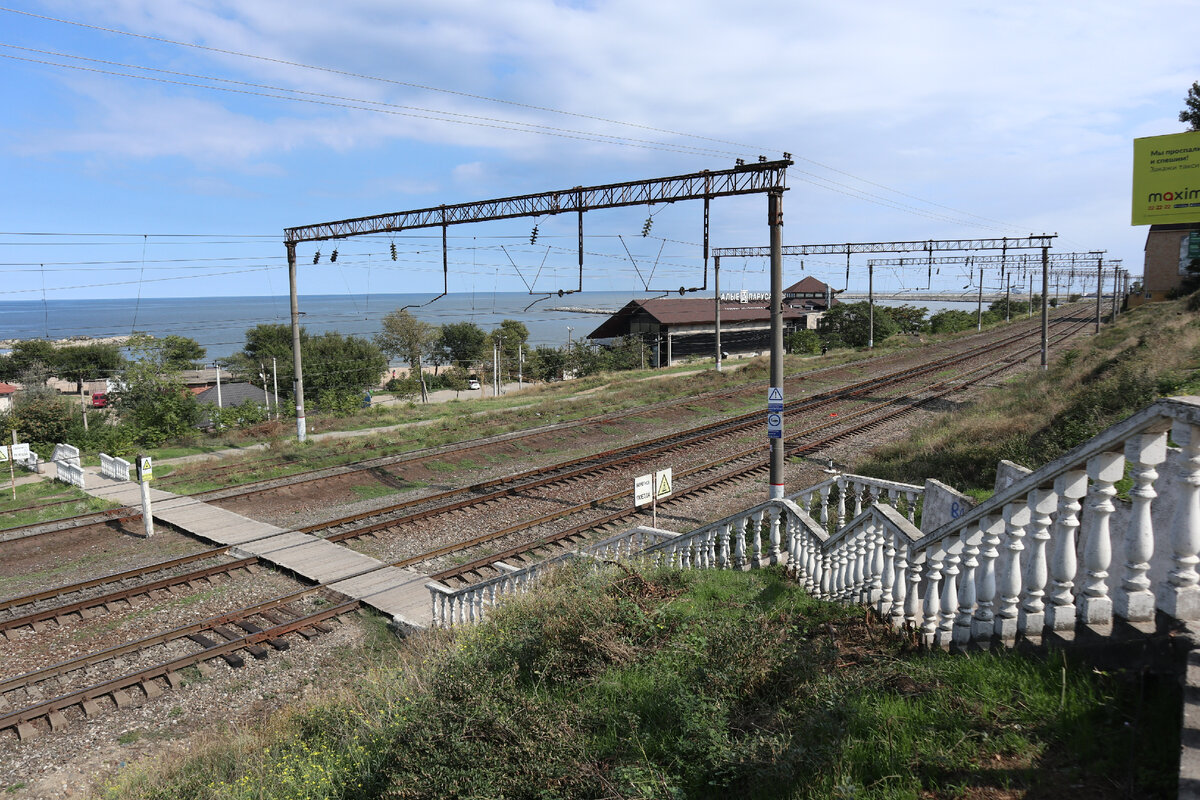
(472, 383)
(100, 400)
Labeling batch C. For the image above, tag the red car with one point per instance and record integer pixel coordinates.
(99, 400)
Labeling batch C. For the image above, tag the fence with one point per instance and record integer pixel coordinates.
(114, 467)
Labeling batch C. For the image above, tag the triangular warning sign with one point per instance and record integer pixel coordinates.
(664, 483)
(775, 395)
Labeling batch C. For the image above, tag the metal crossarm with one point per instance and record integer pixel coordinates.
(747, 179)
(928, 245)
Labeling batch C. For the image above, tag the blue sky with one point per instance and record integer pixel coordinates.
(908, 121)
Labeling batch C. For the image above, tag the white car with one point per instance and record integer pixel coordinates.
(473, 384)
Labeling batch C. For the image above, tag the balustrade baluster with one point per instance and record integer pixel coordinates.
(949, 600)
(739, 544)
(1061, 612)
(823, 511)
(900, 584)
(1008, 583)
(887, 573)
(910, 506)
(841, 580)
(875, 588)
(971, 540)
(1032, 617)
(857, 488)
(723, 536)
(860, 563)
(1135, 601)
(841, 503)
(756, 542)
(774, 516)
(932, 599)
(1182, 600)
(1095, 606)
(985, 610)
(912, 600)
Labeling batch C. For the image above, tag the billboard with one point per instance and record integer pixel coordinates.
(1166, 179)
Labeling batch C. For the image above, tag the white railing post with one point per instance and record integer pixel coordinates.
(824, 511)
(1016, 517)
(971, 539)
(912, 601)
(900, 584)
(933, 583)
(1182, 600)
(949, 609)
(1070, 487)
(1033, 609)
(984, 624)
(910, 506)
(887, 577)
(1134, 601)
(841, 504)
(861, 537)
(875, 592)
(739, 543)
(775, 515)
(1105, 469)
(757, 523)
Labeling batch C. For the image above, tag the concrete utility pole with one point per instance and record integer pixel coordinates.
(1007, 295)
(1116, 305)
(979, 307)
(145, 474)
(775, 221)
(1099, 289)
(1045, 307)
(717, 304)
(870, 307)
(520, 367)
(275, 383)
(1029, 311)
(298, 380)
(669, 354)
(219, 403)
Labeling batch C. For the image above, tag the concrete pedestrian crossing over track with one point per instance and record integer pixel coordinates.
(399, 593)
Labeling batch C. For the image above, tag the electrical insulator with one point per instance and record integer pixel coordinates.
(533, 234)
(333, 256)
(316, 256)
(647, 225)
(393, 251)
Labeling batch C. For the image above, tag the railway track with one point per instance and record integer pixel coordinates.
(700, 478)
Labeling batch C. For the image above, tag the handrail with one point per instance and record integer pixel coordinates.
(1152, 419)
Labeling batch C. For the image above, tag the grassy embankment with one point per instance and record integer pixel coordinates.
(40, 502)
(679, 685)
(1152, 351)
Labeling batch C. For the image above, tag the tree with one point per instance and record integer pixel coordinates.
(264, 342)
(803, 342)
(84, 362)
(1003, 309)
(1191, 111)
(951, 321)
(463, 342)
(338, 368)
(25, 353)
(153, 398)
(180, 352)
(910, 319)
(848, 324)
(42, 419)
(405, 336)
(545, 363)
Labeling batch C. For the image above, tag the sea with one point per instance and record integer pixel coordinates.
(219, 323)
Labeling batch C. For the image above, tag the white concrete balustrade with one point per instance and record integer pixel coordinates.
(114, 467)
(1051, 550)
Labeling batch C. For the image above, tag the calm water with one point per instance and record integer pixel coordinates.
(219, 323)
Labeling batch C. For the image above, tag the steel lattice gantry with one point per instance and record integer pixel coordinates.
(763, 177)
(752, 178)
(929, 245)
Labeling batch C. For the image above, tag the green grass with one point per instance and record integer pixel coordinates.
(694, 685)
(22, 511)
(372, 490)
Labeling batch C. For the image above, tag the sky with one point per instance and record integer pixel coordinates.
(158, 148)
